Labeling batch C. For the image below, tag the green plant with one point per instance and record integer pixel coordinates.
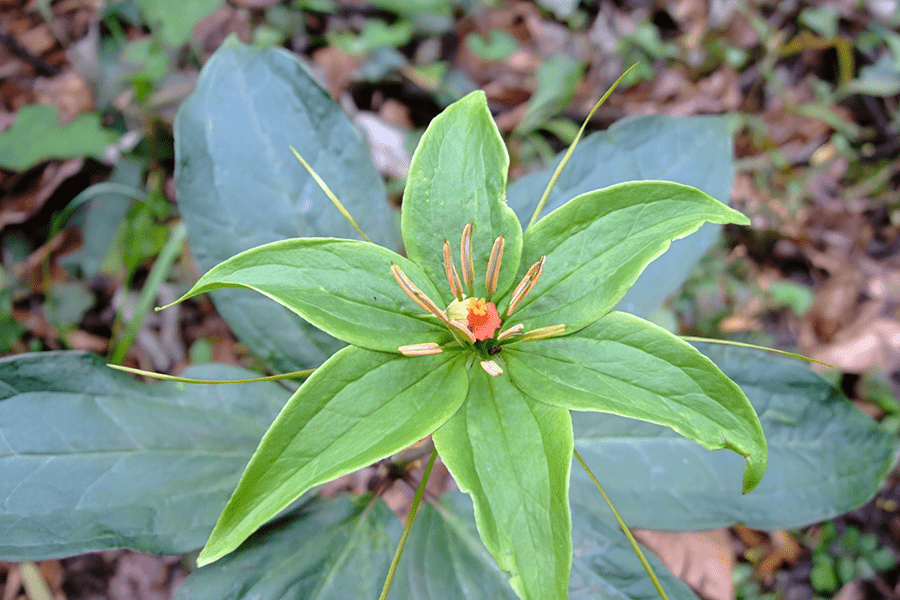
(840, 559)
(151, 466)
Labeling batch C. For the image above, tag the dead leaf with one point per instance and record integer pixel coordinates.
(782, 549)
(16, 209)
(702, 559)
(13, 582)
(82, 340)
(68, 91)
(37, 39)
(865, 346)
(338, 66)
(41, 268)
(142, 577)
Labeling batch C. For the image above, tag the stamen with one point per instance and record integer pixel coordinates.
(493, 268)
(491, 368)
(462, 329)
(465, 253)
(452, 277)
(528, 282)
(542, 333)
(424, 349)
(510, 331)
(416, 294)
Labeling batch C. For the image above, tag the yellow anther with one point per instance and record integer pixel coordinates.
(493, 268)
(491, 368)
(424, 349)
(528, 282)
(465, 253)
(510, 331)
(452, 277)
(416, 294)
(542, 333)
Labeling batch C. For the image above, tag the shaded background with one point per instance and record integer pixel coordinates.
(89, 92)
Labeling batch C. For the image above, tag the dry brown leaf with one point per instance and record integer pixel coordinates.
(40, 268)
(37, 39)
(82, 340)
(211, 31)
(782, 549)
(15, 210)
(141, 577)
(338, 66)
(702, 559)
(68, 91)
(13, 582)
(865, 346)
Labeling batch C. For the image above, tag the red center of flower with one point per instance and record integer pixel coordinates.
(483, 319)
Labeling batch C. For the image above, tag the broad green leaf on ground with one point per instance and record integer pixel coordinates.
(444, 558)
(604, 564)
(240, 187)
(512, 454)
(626, 366)
(338, 549)
(458, 176)
(598, 243)
(91, 459)
(825, 456)
(37, 135)
(344, 287)
(357, 408)
(174, 21)
(695, 151)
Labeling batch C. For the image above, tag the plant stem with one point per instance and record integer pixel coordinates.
(329, 193)
(35, 585)
(157, 276)
(568, 154)
(691, 338)
(292, 375)
(625, 530)
(417, 499)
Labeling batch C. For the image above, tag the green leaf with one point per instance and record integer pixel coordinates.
(512, 454)
(825, 456)
(174, 21)
(91, 459)
(357, 408)
(695, 151)
(626, 366)
(444, 558)
(337, 549)
(557, 78)
(239, 185)
(344, 287)
(598, 243)
(37, 135)
(498, 45)
(457, 176)
(605, 563)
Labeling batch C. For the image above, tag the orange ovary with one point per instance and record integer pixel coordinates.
(482, 319)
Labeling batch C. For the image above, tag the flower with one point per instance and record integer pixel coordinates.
(472, 320)
(503, 428)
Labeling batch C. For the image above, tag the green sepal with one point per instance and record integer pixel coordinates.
(513, 454)
(598, 243)
(357, 408)
(458, 176)
(344, 287)
(627, 366)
